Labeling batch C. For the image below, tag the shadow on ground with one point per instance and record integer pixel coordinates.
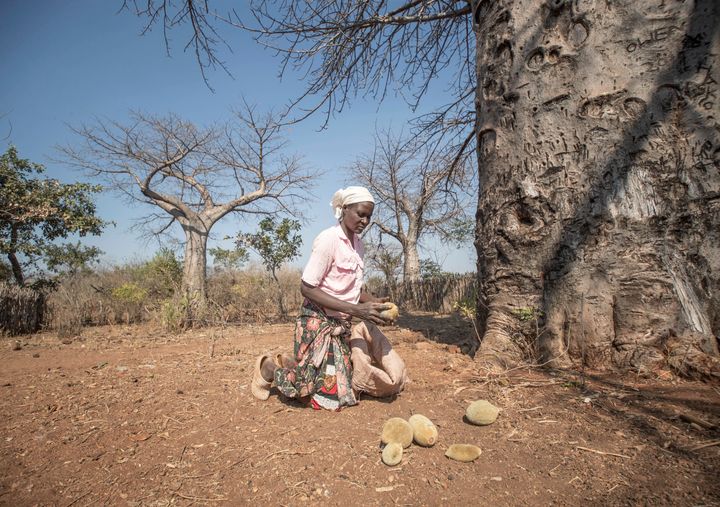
(450, 329)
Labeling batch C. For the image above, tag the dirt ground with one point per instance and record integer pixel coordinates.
(138, 416)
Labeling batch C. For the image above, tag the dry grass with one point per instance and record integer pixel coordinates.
(132, 294)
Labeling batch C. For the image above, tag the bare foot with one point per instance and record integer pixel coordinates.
(286, 360)
(267, 369)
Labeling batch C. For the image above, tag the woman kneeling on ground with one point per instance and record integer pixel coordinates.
(334, 361)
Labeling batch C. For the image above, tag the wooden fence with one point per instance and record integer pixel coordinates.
(21, 310)
(437, 294)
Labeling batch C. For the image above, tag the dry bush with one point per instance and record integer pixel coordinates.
(145, 291)
(134, 292)
(251, 295)
(94, 299)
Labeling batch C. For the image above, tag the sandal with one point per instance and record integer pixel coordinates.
(259, 387)
(279, 361)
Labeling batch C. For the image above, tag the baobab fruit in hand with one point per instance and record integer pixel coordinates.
(392, 454)
(463, 452)
(482, 412)
(397, 430)
(390, 313)
(424, 431)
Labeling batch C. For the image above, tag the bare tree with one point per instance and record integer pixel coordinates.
(195, 176)
(386, 260)
(413, 198)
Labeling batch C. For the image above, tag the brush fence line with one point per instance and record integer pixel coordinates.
(437, 294)
(21, 310)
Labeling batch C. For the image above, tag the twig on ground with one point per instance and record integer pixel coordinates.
(696, 420)
(212, 472)
(287, 431)
(602, 452)
(706, 444)
(287, 451)
(532, 384)
(77, 499)
(200, 499)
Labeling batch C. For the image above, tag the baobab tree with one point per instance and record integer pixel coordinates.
(195, 176)
(598, 146)
(416, 195)
(386, 260)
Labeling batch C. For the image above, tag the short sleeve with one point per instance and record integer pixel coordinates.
(321, 259)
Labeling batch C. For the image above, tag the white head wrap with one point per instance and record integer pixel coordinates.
(349, 195)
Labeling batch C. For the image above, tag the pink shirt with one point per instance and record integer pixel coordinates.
(336, 266)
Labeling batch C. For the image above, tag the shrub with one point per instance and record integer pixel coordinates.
(132, 296)
(161, 275)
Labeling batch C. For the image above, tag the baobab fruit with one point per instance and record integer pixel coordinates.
(424, 431)
(391, 313)
(392, 454)
(482, 412)
(463, 452)
(397, 430)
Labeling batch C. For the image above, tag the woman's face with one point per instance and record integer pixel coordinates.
(356, 217)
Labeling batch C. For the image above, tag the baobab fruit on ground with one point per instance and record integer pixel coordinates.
(397, 430)
(424, 431)
(482, 412)
(392, 454)
(463, 452)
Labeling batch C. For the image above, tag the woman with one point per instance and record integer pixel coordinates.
(327, 349)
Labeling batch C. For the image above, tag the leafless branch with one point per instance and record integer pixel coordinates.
(349, 48)
(195, 175)
(204, 38)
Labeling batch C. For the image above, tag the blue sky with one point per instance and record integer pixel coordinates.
(68, 62)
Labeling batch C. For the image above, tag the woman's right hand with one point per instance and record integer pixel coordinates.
(371, 311)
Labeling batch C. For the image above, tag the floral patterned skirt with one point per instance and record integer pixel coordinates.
(322, 352)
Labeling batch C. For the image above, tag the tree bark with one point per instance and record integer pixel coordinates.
(281, 298)
(599, 153)
(194, 271)
(14, 262)
(411, 261)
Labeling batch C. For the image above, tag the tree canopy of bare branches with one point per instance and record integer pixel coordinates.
(413, 199)
(195, 176)
(344, 49)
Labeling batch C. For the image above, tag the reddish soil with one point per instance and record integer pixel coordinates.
(137, 416)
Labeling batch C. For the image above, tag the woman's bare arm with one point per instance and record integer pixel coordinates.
(366, 297)
(366, 310)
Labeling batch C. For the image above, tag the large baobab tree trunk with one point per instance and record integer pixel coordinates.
(598, 231)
